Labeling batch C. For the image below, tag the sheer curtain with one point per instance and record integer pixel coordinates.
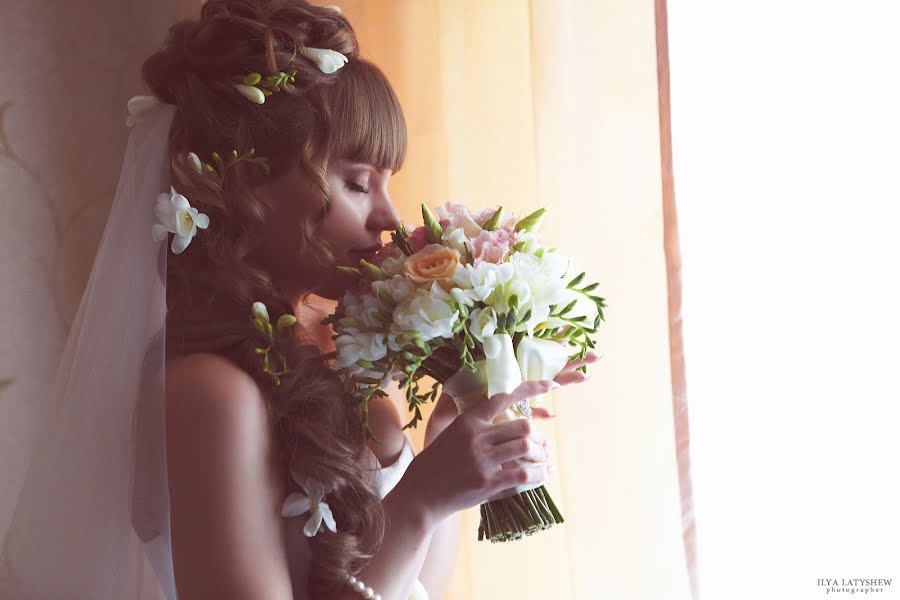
(785, 129)
(558, 104)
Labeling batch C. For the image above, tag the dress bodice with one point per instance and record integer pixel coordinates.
(385, 479)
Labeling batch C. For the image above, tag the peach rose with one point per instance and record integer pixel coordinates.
(434, 262)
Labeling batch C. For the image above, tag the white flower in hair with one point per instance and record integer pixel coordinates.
(297, 503)
(327, 60)
(174, 214)
(335, 8)
(138, 106)
(194, 161)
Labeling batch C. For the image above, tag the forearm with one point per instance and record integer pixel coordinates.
(441, 557)
(393, 569)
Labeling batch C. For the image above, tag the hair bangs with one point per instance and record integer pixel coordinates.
(368, 123)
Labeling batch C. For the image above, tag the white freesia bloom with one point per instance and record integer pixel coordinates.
(398, 340)
(298, 503)
(393, 290)
(393, 265)
(326, 59)
(353, 345)
(478, 282)
(429, 316)
(531, 242)
(370, 312)
(543, 279)
(174, 214)
(138, 106)
(456, 238)
(482, 322)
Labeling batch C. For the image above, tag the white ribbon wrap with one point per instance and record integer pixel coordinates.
(502, 371)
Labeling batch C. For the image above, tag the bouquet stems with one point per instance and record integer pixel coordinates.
(509, 518)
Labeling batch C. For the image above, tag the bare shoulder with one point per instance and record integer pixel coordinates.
(203, 376)
(225, 485)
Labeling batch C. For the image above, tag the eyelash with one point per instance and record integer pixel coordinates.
(356, 187)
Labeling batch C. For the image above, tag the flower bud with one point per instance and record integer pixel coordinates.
(260, 312)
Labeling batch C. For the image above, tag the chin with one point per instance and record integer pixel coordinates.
(333, 289)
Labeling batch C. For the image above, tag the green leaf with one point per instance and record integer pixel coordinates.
(577, 280)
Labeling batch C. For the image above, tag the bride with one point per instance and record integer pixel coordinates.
(173, 458)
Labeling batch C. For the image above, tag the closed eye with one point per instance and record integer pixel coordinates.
(356, 187)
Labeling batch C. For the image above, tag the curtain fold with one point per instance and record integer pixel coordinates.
(563, 104)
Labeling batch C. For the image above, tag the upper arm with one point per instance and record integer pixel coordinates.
(384, 421)
(228, 538)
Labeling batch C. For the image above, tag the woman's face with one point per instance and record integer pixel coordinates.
(361, 209)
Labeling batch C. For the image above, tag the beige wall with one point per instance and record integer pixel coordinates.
(68, 69)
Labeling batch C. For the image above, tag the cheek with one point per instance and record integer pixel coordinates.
(344, 223)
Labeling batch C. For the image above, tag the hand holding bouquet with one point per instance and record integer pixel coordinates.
(475, 302)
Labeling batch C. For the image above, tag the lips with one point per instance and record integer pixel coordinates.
(367, 252)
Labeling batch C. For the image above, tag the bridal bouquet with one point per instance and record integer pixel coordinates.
(475, 302)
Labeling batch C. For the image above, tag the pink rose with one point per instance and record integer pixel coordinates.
(492, 246)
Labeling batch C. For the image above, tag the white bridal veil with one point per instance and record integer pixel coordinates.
(92, 518)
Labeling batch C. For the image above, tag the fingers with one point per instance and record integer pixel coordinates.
(515, 429)
(521, 475)
(522, 448)
(567, 377)
(497, 403)
(539, 412)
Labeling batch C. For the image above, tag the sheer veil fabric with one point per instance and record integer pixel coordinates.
(92, 517)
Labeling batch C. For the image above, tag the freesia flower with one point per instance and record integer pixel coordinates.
(326, 59)
(354, 345)
(297, 504)
(259, 311)
(429, 316)
(456, 238)
(194, 161)
(174, 214)
(370, 312)
(482, 323)
(478, 281)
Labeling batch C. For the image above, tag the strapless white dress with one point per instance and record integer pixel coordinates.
(385, 479)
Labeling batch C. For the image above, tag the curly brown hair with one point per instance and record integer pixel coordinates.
(353, 114)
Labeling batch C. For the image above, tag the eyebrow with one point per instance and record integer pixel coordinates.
(364, 166)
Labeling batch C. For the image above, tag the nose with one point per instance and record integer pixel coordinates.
(384, 215)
